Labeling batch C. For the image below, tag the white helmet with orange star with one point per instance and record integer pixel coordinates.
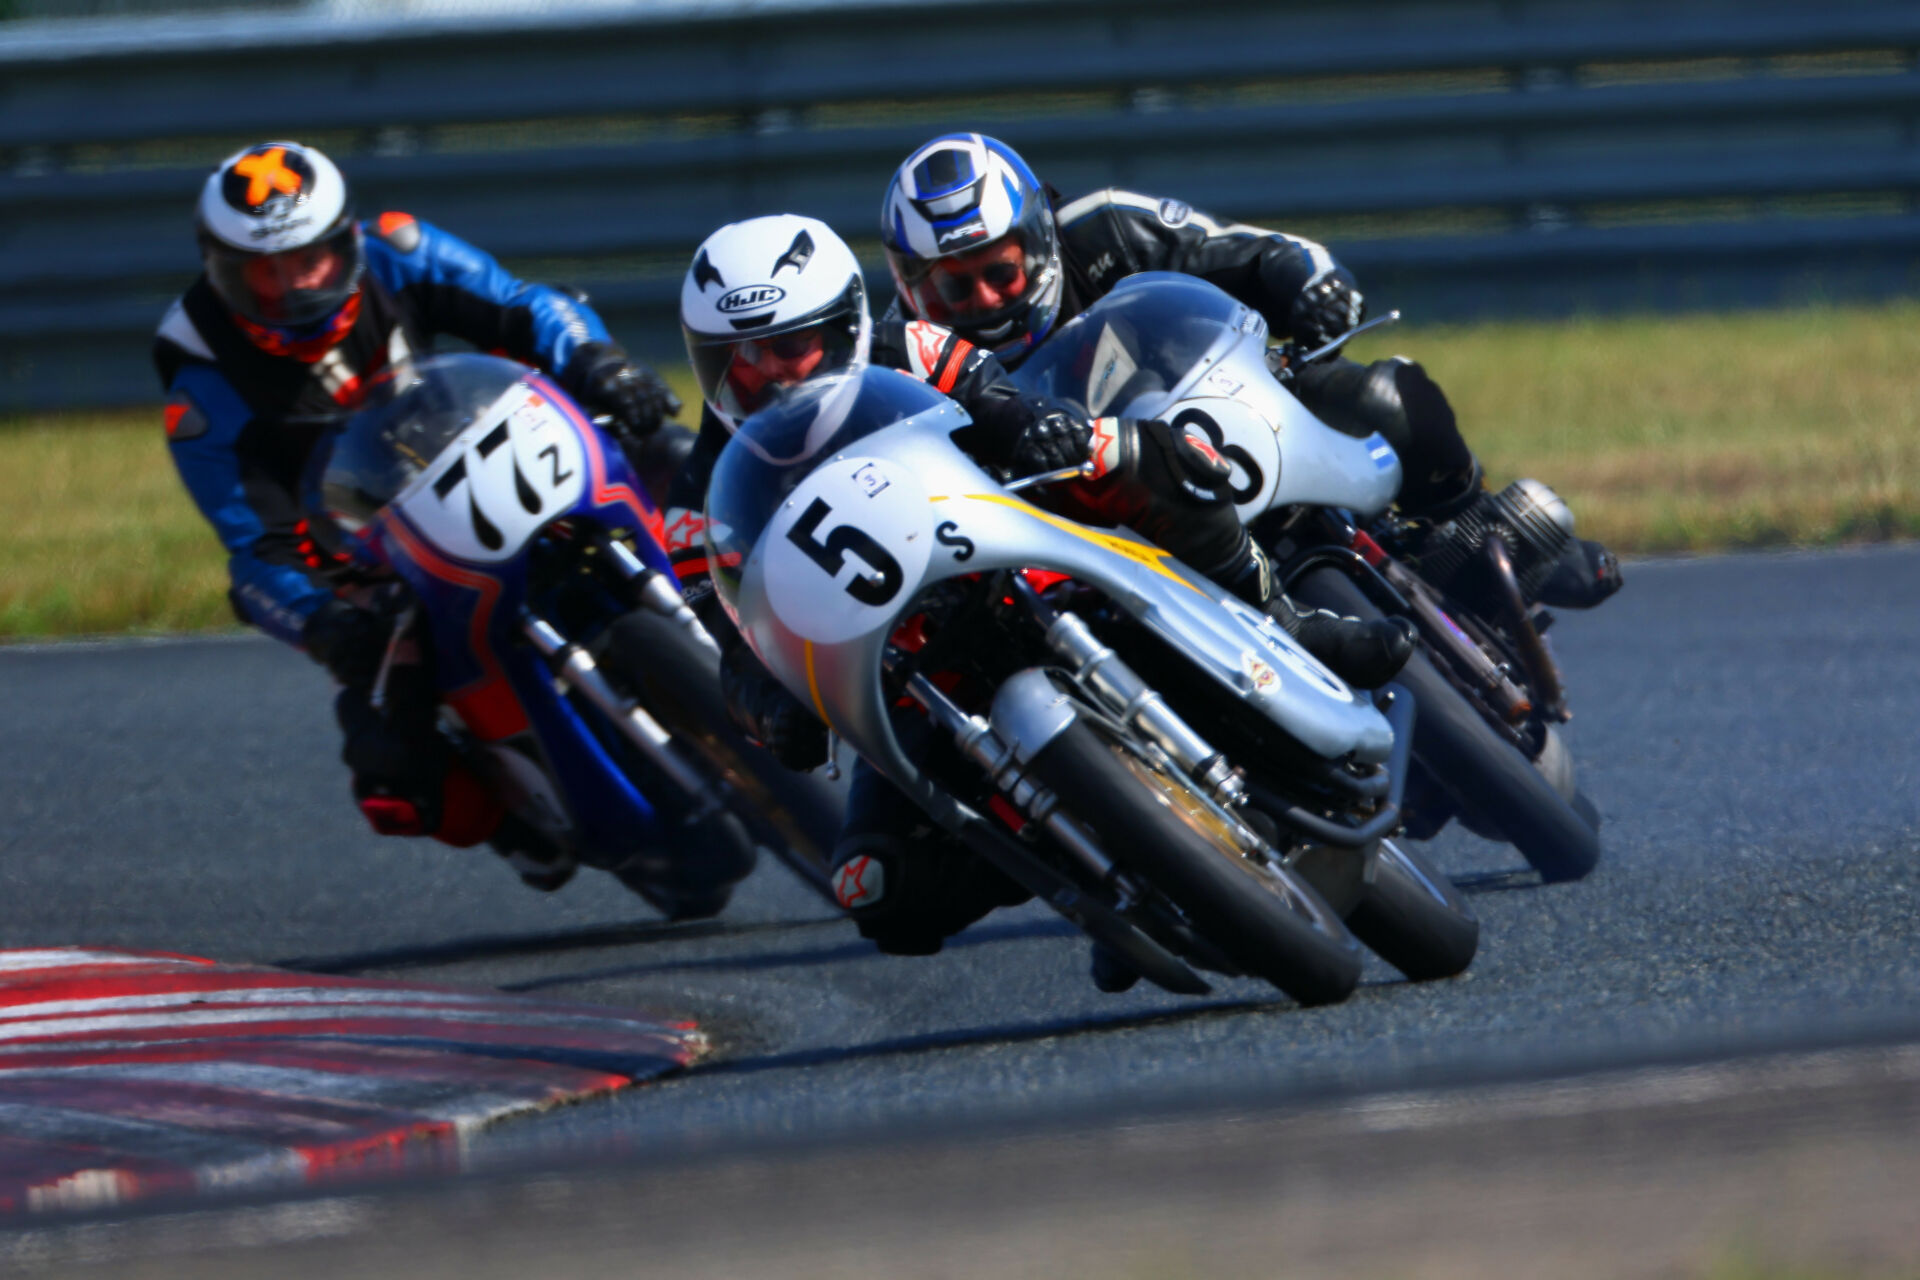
(277, 236)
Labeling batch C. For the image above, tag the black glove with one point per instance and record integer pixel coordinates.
(603, 380)
(1329, 306)
(1054, 440)
(763, 709)
(348, 641)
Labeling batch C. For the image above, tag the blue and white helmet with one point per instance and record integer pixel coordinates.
(971, 242)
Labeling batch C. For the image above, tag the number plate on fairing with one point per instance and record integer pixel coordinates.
(1242, 437)
(845, 545)
(520, 465)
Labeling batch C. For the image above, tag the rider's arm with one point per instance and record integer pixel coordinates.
(1003, 414)
(256, 519)
(455, 288)
(1114, 233)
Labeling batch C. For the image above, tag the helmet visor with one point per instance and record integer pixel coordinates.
(294, 287)
(740, 373)
(983, 288)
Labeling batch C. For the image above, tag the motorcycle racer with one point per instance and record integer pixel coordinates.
(976, 242)
(299, 306)
(774, 301)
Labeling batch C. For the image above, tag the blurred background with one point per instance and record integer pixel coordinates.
(1658, 253)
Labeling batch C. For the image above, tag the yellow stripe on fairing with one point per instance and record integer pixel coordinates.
(1142, 554)
(813, 687)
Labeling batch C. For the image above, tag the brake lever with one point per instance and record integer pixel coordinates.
(1080, 472)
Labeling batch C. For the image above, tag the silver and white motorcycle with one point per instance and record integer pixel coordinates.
(1155, 759)
(1486, 689)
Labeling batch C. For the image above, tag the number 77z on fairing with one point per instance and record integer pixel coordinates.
(879, 572)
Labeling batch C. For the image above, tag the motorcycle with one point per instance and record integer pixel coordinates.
(571, 674)
(1486, 687)
(878, 571)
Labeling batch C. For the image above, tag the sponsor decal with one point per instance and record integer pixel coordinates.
(925, 341)
(870, 479)
(859, 882)
(1381, 452)
(750, 297)
(1175, 212)
(1225, 385)
(965, 233)
(1265, 679)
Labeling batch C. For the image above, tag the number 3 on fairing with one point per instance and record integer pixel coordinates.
(831, 555)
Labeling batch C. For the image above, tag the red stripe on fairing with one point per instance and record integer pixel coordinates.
(489, 706)
(604, 494)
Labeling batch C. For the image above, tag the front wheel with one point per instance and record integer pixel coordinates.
(1266, 919)
(1485, 775)
(1412, 917)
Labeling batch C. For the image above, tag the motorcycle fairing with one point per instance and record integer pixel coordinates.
(1197, 359)
(853, 544)
(501, 691)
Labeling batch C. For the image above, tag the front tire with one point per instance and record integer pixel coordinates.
(1267, 920)
(1485, 775)
(1412, 917)
(796, 815)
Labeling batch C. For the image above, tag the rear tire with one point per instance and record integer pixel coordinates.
(1412, 917)
(1486, 776)
(1268, 921)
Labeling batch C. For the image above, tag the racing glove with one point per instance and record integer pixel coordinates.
(1053, 440)
(604, 380)
(765, 711)
(348, 641)
(1326, 307)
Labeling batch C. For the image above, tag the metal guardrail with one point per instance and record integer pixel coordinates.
(1534, 156)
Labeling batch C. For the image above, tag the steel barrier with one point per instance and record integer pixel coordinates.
(1501, 157)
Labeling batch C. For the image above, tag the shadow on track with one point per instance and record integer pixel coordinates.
(1498, 881)
(1017, 1033)
(855, 949)
(498, 946)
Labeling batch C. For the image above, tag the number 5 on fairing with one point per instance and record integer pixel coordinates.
(831, 555)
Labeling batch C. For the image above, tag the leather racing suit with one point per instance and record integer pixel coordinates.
(245, 408)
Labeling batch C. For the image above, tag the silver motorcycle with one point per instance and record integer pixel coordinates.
(1224, 815)
(1488, 692)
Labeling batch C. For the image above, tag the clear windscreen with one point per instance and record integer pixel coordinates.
(406, 419)
(778, 447)
(1125, 353)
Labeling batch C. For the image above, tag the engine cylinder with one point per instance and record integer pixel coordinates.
(1535, 521)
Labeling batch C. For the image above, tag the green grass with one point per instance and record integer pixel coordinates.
(1697, 433)
(1666, 434)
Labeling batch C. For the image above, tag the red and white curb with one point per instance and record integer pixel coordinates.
(126, 1074)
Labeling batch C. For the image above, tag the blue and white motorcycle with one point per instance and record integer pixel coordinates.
(571, 673)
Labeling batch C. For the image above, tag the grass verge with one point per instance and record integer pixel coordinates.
(1689, 433)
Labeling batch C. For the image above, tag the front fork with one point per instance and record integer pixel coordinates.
(575, 670)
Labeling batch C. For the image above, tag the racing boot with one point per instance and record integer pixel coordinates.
(908, 885)
(1364, 653)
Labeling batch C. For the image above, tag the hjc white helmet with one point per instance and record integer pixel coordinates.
(277, 235)
(767, 303)
(968, 196)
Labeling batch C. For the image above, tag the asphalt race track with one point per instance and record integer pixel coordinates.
(1746, 726)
